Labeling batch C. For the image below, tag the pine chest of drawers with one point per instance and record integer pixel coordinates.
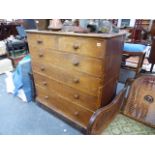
(75, 74)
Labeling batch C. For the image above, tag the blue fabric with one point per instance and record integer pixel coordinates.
(30, 24)
(129, 47)
(17, 79)
(22, 79)
(21, 31)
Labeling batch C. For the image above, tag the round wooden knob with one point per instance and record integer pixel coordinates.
(46, 97)
(42, 68)
(41, 54)
(39, 41)
(76, 80)
(76, 46)
(44, 83)
(75, 62)
(76, 96)
(76, 113)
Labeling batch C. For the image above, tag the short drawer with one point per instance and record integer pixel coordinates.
(69, 61)
(42, 41)
(69, 110)
(74, 79)
(83, 46)
(72, 95)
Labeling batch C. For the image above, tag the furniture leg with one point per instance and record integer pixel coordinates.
(151, 68)
(140, 63)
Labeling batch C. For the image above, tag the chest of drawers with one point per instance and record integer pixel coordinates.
(75, 74)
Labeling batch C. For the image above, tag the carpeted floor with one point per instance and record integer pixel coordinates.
(123, 125)
(19, 118)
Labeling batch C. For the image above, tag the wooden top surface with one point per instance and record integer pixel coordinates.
(95, 35)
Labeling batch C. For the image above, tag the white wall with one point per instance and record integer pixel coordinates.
(132, 22)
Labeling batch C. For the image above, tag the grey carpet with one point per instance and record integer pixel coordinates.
(18, 117)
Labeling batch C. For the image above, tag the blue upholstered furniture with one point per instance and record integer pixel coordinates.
(133, 50)
(130, 47)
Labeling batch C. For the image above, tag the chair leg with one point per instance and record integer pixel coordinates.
(140, 63)
(151, 69)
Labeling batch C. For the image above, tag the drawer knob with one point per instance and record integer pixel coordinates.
(76, 46)
(76, 113)
(76, 96)
(39, 41)
(44, 83)
(75, 62)
(42, 68)
(41, 54)
(46, 97)
(76, 80)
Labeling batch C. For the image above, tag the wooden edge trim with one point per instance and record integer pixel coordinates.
(103, 116)
(133, 53)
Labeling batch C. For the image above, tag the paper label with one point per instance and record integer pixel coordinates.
(98, 44)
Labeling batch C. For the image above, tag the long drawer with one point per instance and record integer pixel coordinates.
(72, 95)
(71, 111)
(69, 61)
(77, 80)
(92, 47)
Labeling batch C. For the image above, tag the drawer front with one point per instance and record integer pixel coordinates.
(72, 62)
(71, 111)
(72, 95)
(77, 80)
(42, 41)
(83, 46)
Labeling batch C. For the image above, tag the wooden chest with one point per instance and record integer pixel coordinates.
(75, 74)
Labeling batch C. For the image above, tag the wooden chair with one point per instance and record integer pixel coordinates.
(139, 63)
